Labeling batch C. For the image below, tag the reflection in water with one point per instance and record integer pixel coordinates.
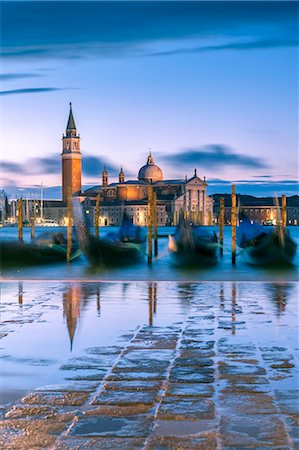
(186, 291)
(99, 301)
(221, 296)
(71, 309)
(234, 296)
(152, 302)
(20, 293)
(279, 294)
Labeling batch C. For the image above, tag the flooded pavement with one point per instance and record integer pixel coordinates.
(149, 365)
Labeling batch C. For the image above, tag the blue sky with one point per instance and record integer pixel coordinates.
(212, 85)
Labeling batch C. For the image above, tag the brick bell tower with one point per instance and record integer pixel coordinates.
(71, 159)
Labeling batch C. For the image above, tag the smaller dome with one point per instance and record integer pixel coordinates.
(150, 172)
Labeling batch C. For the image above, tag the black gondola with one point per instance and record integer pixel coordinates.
(126, 246)
(193, 245)
(45, 249)
(265, 246)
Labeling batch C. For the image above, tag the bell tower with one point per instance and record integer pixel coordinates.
(71, 159)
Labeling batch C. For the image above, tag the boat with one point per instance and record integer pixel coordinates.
(193, 244)
(123, 247)
(265, 246)
(45, 249)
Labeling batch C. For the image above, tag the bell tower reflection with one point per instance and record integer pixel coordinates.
(71, 309)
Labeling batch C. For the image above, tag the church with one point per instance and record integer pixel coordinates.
(130, 196)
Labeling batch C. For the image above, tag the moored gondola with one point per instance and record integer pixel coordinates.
(123, 247)
(46, 249)
(193, 245)
(265, 246)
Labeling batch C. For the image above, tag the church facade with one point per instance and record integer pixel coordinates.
(131, 196)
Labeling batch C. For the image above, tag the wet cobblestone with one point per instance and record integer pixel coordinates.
(213, 380)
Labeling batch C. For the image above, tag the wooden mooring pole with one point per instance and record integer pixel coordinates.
(150, 225)
(221, 225)
(284, 211)
(33, 220)
(234, 224)
(69, 227)
(155, 217)
(20, 219)
(97, 216)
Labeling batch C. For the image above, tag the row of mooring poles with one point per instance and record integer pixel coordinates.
(152, 223)
(20, 220)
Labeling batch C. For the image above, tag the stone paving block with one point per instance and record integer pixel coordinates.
(134, 376)
(193, 362)
(98, 360)
(56, 398)
(149, 365)
(288, 401)
(92, 443)
(22, 411)
(9, 435)
(118, 411)
(197, 333)
(186, 353)
(34, 426)
(248, 404)
(153, 344)
(191, 375)
(86, 375)
(239, 369)
(27, 442)
(123, 398)
(200, 345)
(204, 442)
(112, 350)
(254, 431)
(240, 388)
(82, 366)
(176, 408)
(134, 426)
(156, 355)
(79, 386)
(190, 390)
(136, 386)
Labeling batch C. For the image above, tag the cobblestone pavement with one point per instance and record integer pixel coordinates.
(218, 377)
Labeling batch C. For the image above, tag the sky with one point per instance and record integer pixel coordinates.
(206, 85)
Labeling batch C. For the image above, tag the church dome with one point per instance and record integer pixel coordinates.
(150, 172)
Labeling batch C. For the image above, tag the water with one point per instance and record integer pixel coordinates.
(163, 268)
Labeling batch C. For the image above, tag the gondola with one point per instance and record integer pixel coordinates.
(124, 247)
(46, 249)
(265, 246)
(193, 244)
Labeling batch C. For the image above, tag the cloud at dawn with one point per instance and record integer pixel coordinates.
(173, 76)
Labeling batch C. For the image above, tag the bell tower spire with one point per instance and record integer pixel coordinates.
(71, 159)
